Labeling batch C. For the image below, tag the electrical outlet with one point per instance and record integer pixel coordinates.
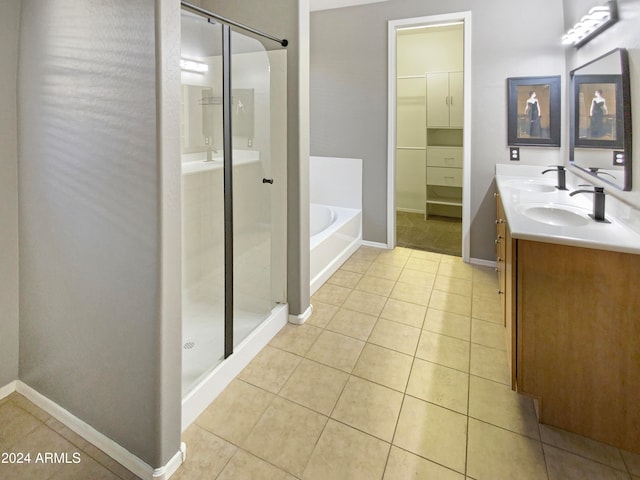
(250, 142)
(618, 158)
(514, 153)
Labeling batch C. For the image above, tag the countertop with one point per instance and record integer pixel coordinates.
(614, 236)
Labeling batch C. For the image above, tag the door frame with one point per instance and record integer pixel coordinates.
(393, 26)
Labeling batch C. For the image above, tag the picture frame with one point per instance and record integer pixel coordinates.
(597, 110)
(533, 111)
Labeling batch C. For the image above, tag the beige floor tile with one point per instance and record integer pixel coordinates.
(322, 314)
(315, 386)
(632, 461)
(22, 402)
(336, 350)
(296, 339)
(488, 334)
(270, 369)
(353, 324)
(235, 412)
(447, 323)
(367, 253)
(582, 446)
(356, 265)
(392, 257)
(404, 312)
(87, 468)
(344, 453)
(443, 386)
(369, 407)
(433, 432)
(377, 285)
(364, 302)
(450, 302)
(494, 453)
(424, 255)
(403, 465)
(244, 466)
(108, 462)
(489, 363)
(345, 278)
(411, 293)
(484, 275)
(459, 286)
(454, 267)
(384, 366)
(487, 288)
(497, 404)
(207, 454)
(443, 350)
(16, 424)
(417, 278)
(396, 336)
(331, 294)
(423, 264)
(286, 435)
(487, 307)
(384, 270)
(563, 465)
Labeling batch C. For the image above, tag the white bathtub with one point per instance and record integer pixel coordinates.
(336, 233)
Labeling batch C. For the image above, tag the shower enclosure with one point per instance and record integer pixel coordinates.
(233, 153)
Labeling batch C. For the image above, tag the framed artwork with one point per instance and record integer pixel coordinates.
(533, 105)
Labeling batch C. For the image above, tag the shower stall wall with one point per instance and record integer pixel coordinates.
(233, 145)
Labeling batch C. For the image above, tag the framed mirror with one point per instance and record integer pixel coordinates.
(534, 111)
(600, 136)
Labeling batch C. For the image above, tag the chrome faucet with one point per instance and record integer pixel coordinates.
(598, 202)
(562, 177)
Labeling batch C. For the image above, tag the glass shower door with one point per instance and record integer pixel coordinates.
(259, 142)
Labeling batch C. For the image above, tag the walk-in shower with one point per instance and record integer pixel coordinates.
(233, 153)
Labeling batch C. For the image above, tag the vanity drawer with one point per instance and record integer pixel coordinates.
(444, 157)
(448, 177)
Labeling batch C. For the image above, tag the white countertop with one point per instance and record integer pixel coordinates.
(614, 236)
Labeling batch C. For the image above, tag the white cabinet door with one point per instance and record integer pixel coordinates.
(456, 103)
(438, 100)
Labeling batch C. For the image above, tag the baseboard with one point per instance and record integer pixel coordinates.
(101, 441)
(8, 389)
(367, 243)
(302, 317)
(410, 210)
(482, 262)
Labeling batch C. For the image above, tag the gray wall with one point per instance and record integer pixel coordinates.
(92, 335)
(623, 34)
(349, 92)
(282, 19)
(9, 22)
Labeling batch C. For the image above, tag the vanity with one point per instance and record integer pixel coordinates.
(571, 309)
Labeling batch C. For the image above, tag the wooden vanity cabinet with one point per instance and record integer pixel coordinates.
(572, 324)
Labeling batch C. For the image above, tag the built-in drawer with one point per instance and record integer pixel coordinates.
(448, 177)
(444, 157)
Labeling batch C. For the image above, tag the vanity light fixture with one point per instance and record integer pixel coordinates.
(193, 66)
(593, 23)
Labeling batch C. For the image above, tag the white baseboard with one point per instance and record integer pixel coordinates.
(302, 317)
(410, 210)
(8, 389)
(482, 262)
(101, 441)
(367, 243)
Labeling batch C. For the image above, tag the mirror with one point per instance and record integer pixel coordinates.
(601, 119)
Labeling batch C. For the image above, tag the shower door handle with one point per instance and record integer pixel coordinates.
(267, 180)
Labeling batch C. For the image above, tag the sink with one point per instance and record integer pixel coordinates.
(530, 185)
(557, 215)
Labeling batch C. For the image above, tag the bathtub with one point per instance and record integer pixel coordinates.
(335, 234)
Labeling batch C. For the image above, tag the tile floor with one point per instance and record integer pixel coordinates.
(435, 234)
(400, 373)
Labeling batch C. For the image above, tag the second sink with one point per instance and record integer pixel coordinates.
(528, 185)
(558, 215)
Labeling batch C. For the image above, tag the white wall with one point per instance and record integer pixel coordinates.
(9, 24)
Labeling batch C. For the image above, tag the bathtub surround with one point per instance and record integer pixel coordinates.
(336, 194)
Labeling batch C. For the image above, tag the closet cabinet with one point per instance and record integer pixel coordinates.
(445, 100)
(572, 330)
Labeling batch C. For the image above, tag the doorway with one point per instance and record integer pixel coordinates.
(429, 132)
